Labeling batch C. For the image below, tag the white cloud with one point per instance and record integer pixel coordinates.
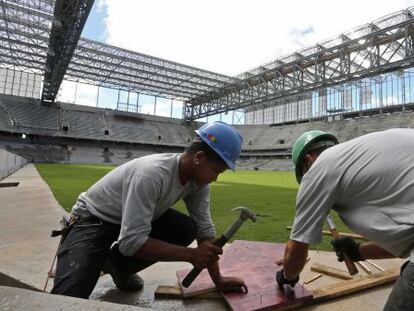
(231, 36)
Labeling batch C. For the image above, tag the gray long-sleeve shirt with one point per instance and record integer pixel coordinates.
(140, 191)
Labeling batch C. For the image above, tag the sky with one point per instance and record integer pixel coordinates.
(227, 36)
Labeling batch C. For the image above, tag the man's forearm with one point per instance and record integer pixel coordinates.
(294, 259)
(157, 250)
(373, 251)
(214, 271)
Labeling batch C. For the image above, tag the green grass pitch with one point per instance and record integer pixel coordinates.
(270, 194)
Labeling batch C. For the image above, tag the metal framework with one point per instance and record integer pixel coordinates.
(69, 19)
(31, 41)
(25, 28)
(382, 46)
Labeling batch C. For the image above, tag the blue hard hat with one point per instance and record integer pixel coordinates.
(225, 140)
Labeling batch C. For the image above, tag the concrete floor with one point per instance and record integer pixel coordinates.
(29, 212)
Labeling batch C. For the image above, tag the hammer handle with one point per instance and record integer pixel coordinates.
(350, 265)
(193, 274)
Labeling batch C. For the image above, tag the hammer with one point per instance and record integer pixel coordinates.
(352, 269)
(245, 214)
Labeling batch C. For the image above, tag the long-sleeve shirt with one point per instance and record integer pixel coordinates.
(140, 191)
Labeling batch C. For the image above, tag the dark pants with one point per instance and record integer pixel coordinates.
(85, 249)
(402, 295)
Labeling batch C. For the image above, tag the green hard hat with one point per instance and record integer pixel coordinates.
(306, 142)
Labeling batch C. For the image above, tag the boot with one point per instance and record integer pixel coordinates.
(124, 280)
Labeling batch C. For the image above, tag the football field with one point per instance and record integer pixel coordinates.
(269, 194)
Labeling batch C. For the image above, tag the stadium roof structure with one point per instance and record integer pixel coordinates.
(382, 46)
(31, 33)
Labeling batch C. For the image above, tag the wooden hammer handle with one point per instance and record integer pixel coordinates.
(350, 265)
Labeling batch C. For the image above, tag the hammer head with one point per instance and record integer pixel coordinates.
(245, 213)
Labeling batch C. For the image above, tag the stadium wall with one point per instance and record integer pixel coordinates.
(10, 162)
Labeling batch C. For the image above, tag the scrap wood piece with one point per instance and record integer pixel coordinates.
(174, 291)
(313, 278)
(364, 267)
(326, 232)
(348, 287)
(340, 274)
(355, 285)
(375, 265)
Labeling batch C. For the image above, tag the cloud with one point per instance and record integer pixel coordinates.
(231, 36)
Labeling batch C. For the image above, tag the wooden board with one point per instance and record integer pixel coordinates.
(340, 274)
(255, 263)
(174, 291)
(351, 286)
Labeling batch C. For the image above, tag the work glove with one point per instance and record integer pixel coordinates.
(348, 246)
(282, 280)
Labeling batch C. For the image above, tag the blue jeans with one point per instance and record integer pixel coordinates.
(87, 246)
(402, 295)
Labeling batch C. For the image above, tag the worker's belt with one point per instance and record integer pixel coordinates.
(65, 224)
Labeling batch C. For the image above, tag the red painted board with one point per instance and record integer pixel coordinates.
(255, 263)
(231, 263)
(263, 293)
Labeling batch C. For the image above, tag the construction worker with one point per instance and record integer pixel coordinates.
(130, 210)
(369, 182)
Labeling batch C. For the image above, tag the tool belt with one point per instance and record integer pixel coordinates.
(65, 224)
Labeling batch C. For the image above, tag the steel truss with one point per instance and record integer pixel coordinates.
(25, 28)
(382, 46)
(69, 19)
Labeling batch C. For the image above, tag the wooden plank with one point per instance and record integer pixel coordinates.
(255, 263)
(340, 274)
(358, 284)
(174, 291)
(326, 232)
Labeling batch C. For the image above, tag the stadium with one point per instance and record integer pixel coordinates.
(357, 83)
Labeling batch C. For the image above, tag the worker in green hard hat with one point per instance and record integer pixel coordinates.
(369, 182)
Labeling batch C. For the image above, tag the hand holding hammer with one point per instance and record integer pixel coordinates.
(245, 214)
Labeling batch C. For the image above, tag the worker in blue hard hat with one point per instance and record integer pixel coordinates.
(369, 182)
(125, 223)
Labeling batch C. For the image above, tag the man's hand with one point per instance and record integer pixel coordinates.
(231, 284)
(346, 245)
(205, 254)
(282, 280)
